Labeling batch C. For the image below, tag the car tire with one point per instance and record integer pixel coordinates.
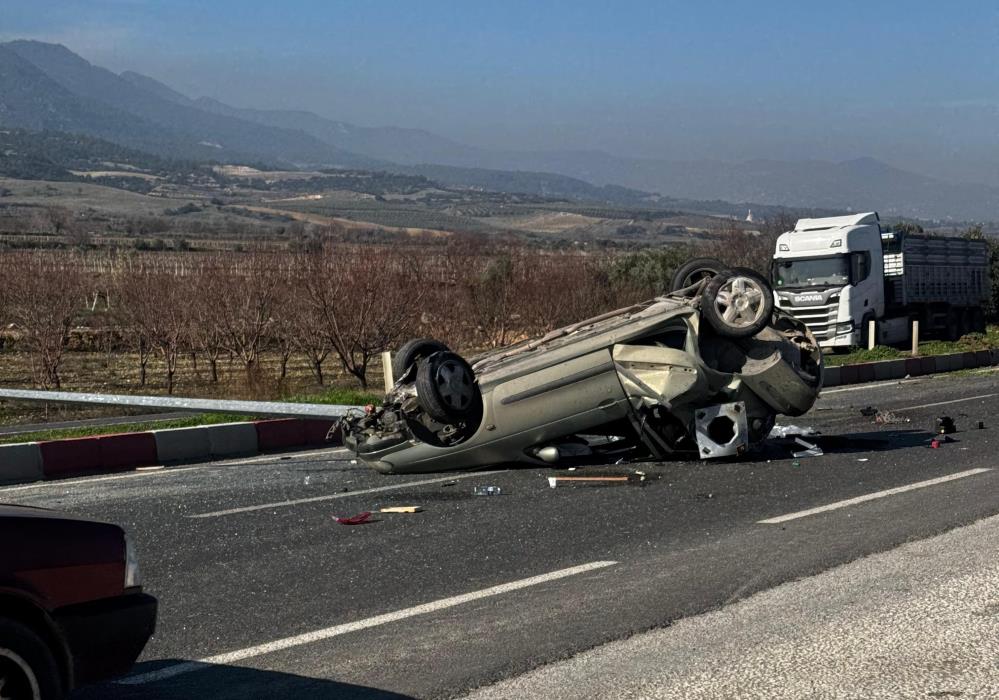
(28, 669)
(738, 303)
(978, 320)
(694, 271)
(413, 351)
(445, 387)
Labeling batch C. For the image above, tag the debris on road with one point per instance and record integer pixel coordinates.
(487, 491)
(622, 479)
(359, 519)
(402, 509)
(889, 418)
(785, 431)
(811, 450)
(868, 412)
(863, 459)
(945, 425)
(934, 443)
(981, 425)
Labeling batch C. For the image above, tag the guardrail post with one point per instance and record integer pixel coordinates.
(387, 371)
(871, 338)
(915, 338)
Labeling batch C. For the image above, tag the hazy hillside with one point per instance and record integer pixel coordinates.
(859, 184)
(404, 146)
(227, 136)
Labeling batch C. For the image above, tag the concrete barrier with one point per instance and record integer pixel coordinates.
(317, 430)
(181, 444)
(279, 434)
(127, 451)
(62, 458)
(232, 439)
(20, 463)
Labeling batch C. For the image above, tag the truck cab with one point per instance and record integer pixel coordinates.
(829, 273)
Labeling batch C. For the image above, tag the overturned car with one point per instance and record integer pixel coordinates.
(703, 370)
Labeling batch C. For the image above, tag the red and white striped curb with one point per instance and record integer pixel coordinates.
(58, 459)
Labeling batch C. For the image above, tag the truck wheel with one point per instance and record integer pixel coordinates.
(738, 303)
(28, 671)
(694, 271)
(978, 320)
(412, 351)
(446, 388)
(953, 324)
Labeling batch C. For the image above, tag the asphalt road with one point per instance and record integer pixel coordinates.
(272, 597)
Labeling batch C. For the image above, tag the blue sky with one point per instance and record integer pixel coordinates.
(915, 83)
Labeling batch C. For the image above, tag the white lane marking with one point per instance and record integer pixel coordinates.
(157, 470)
(871, 497)
(873, 385)
(345, 628)
(345, 494)
(944, 403)
(63, 483)
(276, 457)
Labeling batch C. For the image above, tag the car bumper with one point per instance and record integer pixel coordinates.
(105, 637)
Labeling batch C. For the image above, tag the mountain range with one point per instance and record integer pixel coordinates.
(48, 87)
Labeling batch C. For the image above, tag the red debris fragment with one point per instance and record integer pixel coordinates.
(358, 519)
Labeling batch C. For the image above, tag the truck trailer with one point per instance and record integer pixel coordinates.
(836, 274)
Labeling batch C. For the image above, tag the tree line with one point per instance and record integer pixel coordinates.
(336, 306)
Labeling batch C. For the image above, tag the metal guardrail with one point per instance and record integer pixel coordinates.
(249, 408)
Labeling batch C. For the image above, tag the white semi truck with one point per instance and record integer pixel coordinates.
(836, 274)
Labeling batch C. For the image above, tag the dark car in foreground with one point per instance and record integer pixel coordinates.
(703, 370)
(71, 607)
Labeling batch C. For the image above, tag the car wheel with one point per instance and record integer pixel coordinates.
(28, 671)
(411, 352)
(445, 387)
(694, 271)
(738, 303)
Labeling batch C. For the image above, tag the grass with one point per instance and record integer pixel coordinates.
(970, 342)
(138, 427)
(332, 396)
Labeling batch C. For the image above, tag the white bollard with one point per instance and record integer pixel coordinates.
(915, 338)
(871, 338)
(387, 371)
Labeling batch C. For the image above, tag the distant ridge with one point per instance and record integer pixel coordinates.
(48, 87)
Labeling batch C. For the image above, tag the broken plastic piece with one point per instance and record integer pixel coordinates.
(934, 443)
(809, 451)
(358, 519)
(487, 490)
(785, 431)
(402, 509)
(636, 478)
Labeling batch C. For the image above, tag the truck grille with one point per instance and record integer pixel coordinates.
(821, 320)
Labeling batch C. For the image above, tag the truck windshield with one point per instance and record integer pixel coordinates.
(815, 272)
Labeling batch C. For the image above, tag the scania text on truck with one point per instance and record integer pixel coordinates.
(836, 274)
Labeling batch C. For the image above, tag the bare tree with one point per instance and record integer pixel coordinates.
(43, 296)
(246, 305)
(364, 304)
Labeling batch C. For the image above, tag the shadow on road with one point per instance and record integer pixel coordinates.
(224, 682)
(872, 441)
